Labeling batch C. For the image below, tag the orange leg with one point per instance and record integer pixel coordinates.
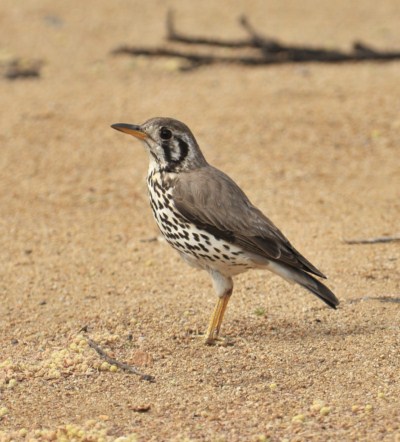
(217, 317)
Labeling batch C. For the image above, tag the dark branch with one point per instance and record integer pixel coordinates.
(121, 365)
(271, 51)
(298, 56)
(191, 56)
(21, 68)
(382, 239)
(174, 35)
(266, 44)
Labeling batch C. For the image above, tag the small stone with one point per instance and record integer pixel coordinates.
(298, 419)
(142, 359)
(140, 408)
(317, 405)
(325, 411)
(105, 366)
(52, 374)
(12, 383)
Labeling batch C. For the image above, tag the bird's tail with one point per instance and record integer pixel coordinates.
(305, 280)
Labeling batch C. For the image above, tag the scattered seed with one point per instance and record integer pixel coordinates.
(298, 419)
(325, 411)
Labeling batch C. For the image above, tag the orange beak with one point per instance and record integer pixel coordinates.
(131, 129)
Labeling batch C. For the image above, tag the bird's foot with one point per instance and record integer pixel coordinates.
(223, 341)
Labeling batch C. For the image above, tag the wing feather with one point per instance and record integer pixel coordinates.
(211, 200)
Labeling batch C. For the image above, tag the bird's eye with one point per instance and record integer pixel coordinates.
(165, 133)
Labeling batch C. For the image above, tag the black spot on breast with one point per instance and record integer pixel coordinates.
(166, 223)
(156, 186)
(193, 253)
(170, 235)
(166, 200)
(203, 247)
(205, 256)
(184, 234)
(191, 246)
(206, 238)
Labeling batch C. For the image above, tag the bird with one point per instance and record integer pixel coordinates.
(208, 219)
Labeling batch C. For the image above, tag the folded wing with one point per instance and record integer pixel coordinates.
(215, 203)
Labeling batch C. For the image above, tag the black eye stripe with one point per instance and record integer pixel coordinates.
(174, 154)
(184, 148)
(167, 152)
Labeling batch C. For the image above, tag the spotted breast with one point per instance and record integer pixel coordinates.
(196, 246)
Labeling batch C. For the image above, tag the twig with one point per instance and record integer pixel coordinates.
(121, 365)
(271, 51)
(382, 239)
(150, 239)
(174, 35)
(291, 53)
(21, 68)
(266, 44)
(195, 60)
(391, 299)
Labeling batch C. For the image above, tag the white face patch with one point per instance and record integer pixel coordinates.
(172, 146)
(175, 151)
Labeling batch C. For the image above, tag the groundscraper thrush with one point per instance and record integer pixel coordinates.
(208, 219)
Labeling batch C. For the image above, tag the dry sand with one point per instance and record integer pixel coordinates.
(316, 147)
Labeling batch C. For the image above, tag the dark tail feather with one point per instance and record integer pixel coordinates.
(308, 282)
(318, 289)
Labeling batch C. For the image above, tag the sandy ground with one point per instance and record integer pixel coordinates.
(316, 147)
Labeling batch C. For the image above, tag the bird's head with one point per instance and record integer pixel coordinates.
(170, 143)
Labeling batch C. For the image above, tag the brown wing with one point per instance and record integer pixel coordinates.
(211, 200)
